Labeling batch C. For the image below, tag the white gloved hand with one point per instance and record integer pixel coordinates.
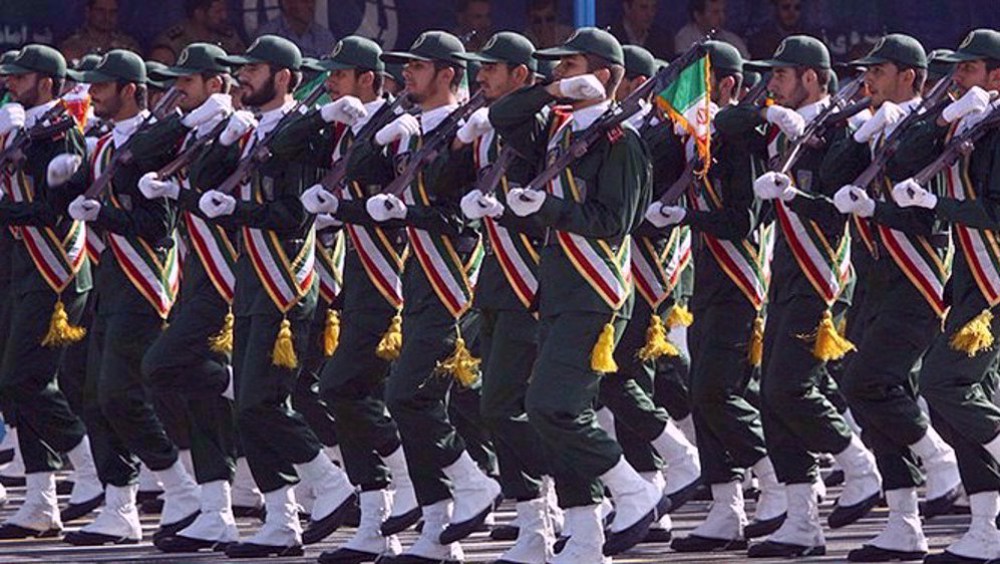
(854, 200)
(843, 201)
(475, 127)
(788, 120)
(83, 209)
(12, 117)
(774, 186)
(325, 220)
(62, 168)
(888, 115)
(383, 207)
(215, 204)
(239, 123)
(216, 105)
(524, 201)
(476, 205)
(664, 216)
(404, 126)
(317, 200)
(153, 188)
(910, 194)
(346, 109)
(974, 100)
(583, 87)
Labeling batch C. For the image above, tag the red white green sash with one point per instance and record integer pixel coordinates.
(656, 273)
(382, 264)
(216, 252)
(330, 267)
(979, 246)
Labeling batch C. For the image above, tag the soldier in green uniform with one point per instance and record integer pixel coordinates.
(728, 293)
(584, 302)
(955, 370)
(135, 293)
(275, 298)
(896, 312)
(29, 395)
(809, 270)
(207, 22)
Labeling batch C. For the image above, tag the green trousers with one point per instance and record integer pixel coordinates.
(30, 396)
(306, 399)
(670, 385)
(73, 366)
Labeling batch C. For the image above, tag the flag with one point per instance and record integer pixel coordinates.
(687, 101)
(302, 92)
(77, 102)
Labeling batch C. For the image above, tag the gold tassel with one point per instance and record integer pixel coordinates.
(657, 344)
(284, 348)
(222, 342)
(392, 341)
(461, 364)
(756, 348)
(679, 316)
(61, 333)
(830, 345)
(976, 336)
(331, 334)
(602, 357)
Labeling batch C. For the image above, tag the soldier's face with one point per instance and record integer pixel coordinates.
(886, 82)
(257, 82)
(106, 99)
(568, 67)
(343, 82)
(972, 73)
(787, 88)
(423, 80)
(27, 89)
(628, 86)
(195, 90)
(498, 79)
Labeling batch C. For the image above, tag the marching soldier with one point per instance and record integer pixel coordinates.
(587, 213)
(49, 273)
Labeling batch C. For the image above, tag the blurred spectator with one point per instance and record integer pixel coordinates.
(474, 16)
(544, 29)
(297, 23)
(786, 20)
(99, 32)
(637, 27)
(207, 22)
(707, 15)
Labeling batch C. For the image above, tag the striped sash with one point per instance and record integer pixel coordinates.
(979, 246)
(656, 273)
(382, 264)
(330, 267)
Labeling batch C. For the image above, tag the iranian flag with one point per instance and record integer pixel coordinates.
(686, 100)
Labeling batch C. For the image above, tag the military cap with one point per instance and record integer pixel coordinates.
(196, 58)
(116, 65)
(978, 45)
(797, 51)
(896, 48)
(268, 49)
(351, 52)
(937, 67)
(587, 41)
(430, 46)
(724, 58)
(638, 61)
(36, 58)
(504, 47)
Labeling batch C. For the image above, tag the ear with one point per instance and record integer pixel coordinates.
(809, 77)
(215, 84)
(283, 78)
(727, 83)
(366, 79)
(45, 84)
(447, 73)
(128, 92)
(521, 74)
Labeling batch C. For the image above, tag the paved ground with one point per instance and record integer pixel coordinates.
(478, 548)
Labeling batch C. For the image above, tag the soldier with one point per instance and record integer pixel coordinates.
(729, 291)
(136, 289)
(207, 21)
(957, 367)
(587, 213)
(809, 270)
(896, 313)
(271, 329)
(41, 283)
(99, 33)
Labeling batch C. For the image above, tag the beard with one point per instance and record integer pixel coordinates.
(258, 98)
(108, 109)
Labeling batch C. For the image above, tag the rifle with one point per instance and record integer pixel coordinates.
(188, 155)
(261, 151)
(959, 146)
(123, 155)
(334, 178)
(40, 131)
(435, 141)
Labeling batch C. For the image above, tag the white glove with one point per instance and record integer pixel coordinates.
(383, 207)
(11, 117)
(973, 101)
(788, 120)
(346, 109)
(239, 123)
(476, 205)
(83, 209)
(583, 87)
(325, 220)
(663, 216)
(214, 204)
(62, 168)
(910, 194)
(317, 200)
(888, 115)
(523, 201)
(404, 126)
(215, 105)
(774, 186)
(152, 187)
(475, 127)
(854, 200)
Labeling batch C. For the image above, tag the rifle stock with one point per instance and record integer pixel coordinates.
(958, 147)
(187, 156)
(38, 132)
(818, 127)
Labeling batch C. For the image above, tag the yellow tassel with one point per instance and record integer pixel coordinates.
(284, 348)
(61, 333)
(830, 345)
(331, 335)
(976, 336)
(392, 341)
(602, 357)
(679, 316)
(657, 344)
(222, 342)
(756, 349)
(461, 364)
